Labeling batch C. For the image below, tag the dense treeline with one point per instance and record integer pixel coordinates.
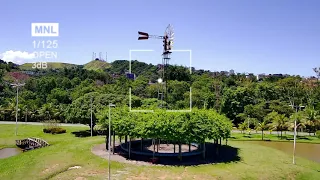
(66, 95)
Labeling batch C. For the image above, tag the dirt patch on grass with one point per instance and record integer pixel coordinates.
(50, 169)
(100, 150)
(80, 178)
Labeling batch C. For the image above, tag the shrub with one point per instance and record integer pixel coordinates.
(55, 130)
(318, 134)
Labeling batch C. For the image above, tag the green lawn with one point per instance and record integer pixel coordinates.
(257, 162)
(273, 137)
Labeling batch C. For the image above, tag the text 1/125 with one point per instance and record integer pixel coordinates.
(45, 44)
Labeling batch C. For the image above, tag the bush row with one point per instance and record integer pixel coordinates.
(56, 130)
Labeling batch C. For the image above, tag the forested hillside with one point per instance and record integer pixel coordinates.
(66, 94)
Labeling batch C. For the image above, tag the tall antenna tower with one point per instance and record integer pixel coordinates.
(167, 46)
(94, 56)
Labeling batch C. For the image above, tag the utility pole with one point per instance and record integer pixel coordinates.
(17, 85)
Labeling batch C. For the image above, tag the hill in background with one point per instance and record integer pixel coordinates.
(97, 65)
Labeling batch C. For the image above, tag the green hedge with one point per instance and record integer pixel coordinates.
(195, 126)
(56, 130)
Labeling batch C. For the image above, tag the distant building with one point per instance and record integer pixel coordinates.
(231, 72)
(277, 75)
(224, 73)
(260, 77)
(249, 75)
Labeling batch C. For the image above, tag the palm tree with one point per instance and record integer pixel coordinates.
(263, 126)
(312, 120)
(299, 117)
(242, 126)
(280, 122)
(2, 112)
(48, 111)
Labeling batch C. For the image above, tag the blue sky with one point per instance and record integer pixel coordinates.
(274, 36)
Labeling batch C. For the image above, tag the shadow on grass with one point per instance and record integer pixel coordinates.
(247, 136)
(226, 154)
(303, 137)
(87, 133)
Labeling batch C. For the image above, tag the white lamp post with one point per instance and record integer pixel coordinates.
(295, 133)
(17, 85)
(109, 152)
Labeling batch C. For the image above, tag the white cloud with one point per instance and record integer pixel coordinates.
(17, 57)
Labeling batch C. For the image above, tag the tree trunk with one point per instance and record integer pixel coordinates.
(204, 150)
(180, 157)
(107, 142)
(129, 147)
(174, 147)
(114, 141)
(281, 134)
(141, 144)
(226, 141)
(217, 150)
(154, 145)
(158, 143)
(220, 141)
(120, 139)
(125, 139)
(262, 135)
(189, 147)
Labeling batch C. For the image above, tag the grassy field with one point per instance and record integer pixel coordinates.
(273, 137)
(257, 162)
(97, 65)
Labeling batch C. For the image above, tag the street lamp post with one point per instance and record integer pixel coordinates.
(17, 85)
(109, 146)
(295, 133)
(294, 138)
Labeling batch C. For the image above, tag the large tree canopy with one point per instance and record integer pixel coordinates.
(195, 126)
